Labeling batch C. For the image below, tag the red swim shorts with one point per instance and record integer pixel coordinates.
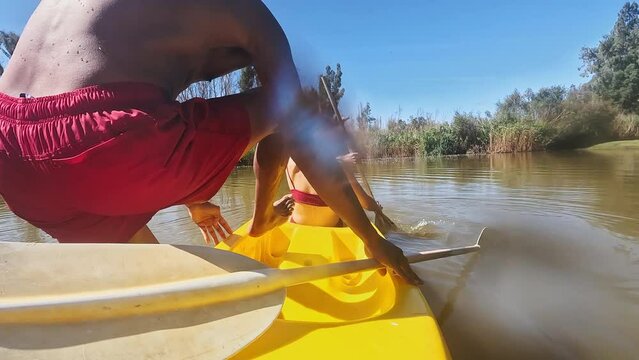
(95, 164)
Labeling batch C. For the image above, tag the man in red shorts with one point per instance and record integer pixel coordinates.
(92, 143)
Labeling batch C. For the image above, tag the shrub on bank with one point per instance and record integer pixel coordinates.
(586, 120)
(466, 133)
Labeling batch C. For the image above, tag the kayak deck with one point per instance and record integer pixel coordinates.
(352, 316)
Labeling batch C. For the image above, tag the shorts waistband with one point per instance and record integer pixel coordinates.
(84, 100)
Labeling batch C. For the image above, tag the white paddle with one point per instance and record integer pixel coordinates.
(185, 293)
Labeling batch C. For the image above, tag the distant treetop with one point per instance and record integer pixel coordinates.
(614, 64)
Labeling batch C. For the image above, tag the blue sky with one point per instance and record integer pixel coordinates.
(431, 56)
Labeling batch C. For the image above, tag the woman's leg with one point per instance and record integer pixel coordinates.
(269, 164)
(144, 236)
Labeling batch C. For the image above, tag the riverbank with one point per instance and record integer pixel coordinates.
(617, 145)
(247, 160)
(577, 126)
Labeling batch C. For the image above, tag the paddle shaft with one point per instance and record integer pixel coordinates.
(383, 222)
(301, 275)
(341, 121)
(172, 296)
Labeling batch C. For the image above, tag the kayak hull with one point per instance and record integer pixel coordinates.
(364, 315)
(361, 315)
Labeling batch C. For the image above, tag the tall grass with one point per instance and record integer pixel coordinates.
(626, 126)
(421, 136)
(552, 118)
(519, 137)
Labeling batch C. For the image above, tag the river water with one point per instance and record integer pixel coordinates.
(558, 273)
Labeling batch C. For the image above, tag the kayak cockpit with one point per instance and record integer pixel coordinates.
(351, 297)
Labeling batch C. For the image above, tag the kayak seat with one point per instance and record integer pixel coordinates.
(347, 298)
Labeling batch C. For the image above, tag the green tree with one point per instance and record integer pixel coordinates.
(8, 41)
(365, 119)
(421, 122)
(614, 63)
(546, 105)
(248, 79)
(514, 107)
(334, 82)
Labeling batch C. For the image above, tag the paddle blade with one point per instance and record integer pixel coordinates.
(384, 224)
(34, 271)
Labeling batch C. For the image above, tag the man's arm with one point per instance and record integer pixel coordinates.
(313, 146)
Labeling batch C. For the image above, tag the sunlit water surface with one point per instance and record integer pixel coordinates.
(558, 273)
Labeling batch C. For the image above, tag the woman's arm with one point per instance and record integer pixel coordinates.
(367, 202)
(348, 162)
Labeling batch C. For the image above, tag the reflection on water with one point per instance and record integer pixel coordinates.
(558, 274)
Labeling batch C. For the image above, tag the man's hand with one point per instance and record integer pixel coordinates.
(351, 158)
(393, 258)
(377, 208)
(348, 161)
(208, 217)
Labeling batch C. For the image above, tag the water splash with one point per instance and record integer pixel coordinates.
(432, 228)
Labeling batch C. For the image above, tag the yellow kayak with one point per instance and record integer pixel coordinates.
(358, 316)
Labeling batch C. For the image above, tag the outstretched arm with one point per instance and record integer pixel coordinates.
(348, 162)
(250, 25)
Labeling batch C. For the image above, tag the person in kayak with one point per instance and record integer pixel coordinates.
(93, 144)
(310, 209)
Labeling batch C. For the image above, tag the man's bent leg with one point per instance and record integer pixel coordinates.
(269, 164)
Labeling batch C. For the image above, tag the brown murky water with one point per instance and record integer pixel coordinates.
(558, 274)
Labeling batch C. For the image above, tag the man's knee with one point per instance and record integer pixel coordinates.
(260, 112)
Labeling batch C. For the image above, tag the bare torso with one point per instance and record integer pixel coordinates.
(69, 44)
(308, 214)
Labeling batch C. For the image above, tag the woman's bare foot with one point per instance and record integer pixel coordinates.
(278, 215)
